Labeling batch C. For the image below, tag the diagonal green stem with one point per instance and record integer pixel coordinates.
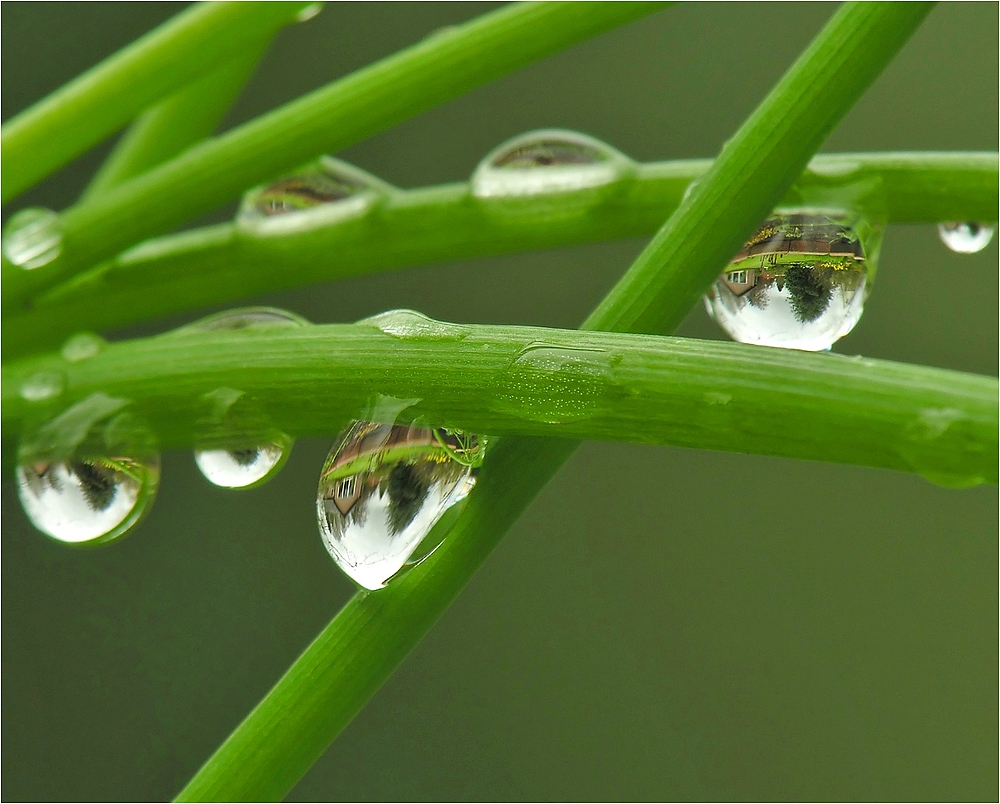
(217, 264)
(437, 69)
(176, 123)
(85, 111)
(531, 381)
(320, 694)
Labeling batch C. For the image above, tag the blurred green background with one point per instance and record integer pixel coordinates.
(663, 623)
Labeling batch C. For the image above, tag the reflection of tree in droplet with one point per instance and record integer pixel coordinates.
(759, 294)
(809, 291)
(407, 489)
(245, 457)
(98, 483)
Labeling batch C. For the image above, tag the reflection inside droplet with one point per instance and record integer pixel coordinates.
(800, 282)
(965, 238)
(242, 467)
(382, 490)
(33, 238)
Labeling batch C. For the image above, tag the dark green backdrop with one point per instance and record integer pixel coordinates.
(663, 623)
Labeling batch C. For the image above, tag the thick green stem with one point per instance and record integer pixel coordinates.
(176, 123)
(85, 111)
(542, 382)
(219, 264)
(437, 69)
(373, 633)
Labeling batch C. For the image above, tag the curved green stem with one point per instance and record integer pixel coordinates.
(434, 70)
(85, 111)
(219, 264)
(542, 382)
(336, 675)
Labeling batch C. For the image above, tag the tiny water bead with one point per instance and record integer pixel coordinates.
(411, 324)
(89, 475)
(321, 192)
(309, 12)
(965, 238)
(42, 385)
(383, 489)
(82, 346)
(536, 165)
(800, 282)
(243, 465)
(33, 238)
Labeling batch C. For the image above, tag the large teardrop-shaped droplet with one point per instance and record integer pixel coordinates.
(33, 238)
(965, 238)
(800, 282)
(89, 475)
(238, 465)
(551, 172)
(323, 192)
(382, 490)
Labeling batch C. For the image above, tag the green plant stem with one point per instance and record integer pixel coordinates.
(320, 694)
(85, 111)
(436, 69)
(218, 264)
(176, 123)
(707, 394)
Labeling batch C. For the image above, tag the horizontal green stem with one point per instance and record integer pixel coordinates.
(85, 111)
(219, 264)
(530, 381)
(437, 69)
(336, 675)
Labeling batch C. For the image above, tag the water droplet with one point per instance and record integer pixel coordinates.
(383, 489)
(88, 476)
(82, 346)
(965, 238)
(930, 425)
(557, 384)
(239, 465)
(321, 193)
(411, 324)
(309, 12)
(800, 282)
(242, 468)
(33, 238)
(551, 172)
(42, 385)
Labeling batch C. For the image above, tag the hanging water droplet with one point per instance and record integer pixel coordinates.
(965, 238)
(411, 324)
(323, 192)
(239, 465)
(42, 385)
(557, 384)
(242, 468)
(89, 475)
(945, 467)
(800, 282)
(551, 172)
(309, 12)
(82, 346)
(33, 238)
(382, 490)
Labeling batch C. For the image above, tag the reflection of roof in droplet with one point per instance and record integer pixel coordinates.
(304, 191)
(548, 153)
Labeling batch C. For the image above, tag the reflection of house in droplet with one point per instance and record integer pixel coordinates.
(740, 282)
(346, 493)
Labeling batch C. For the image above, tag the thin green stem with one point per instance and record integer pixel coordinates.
(220, 264)
(176, 123)
(85, 111)
(277, 742)
(436, 69)
(309, 381)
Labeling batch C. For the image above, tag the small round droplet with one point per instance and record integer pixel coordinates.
(246, 318)
(411, 324)
(82, 346)
(242, 468)
(965, 238)
(383, 489)
(557, 384)
(42, 385)
(800, 282)
(320, 193)
(309, 12)
(88, 476)
(33, 238)
(579, 170)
